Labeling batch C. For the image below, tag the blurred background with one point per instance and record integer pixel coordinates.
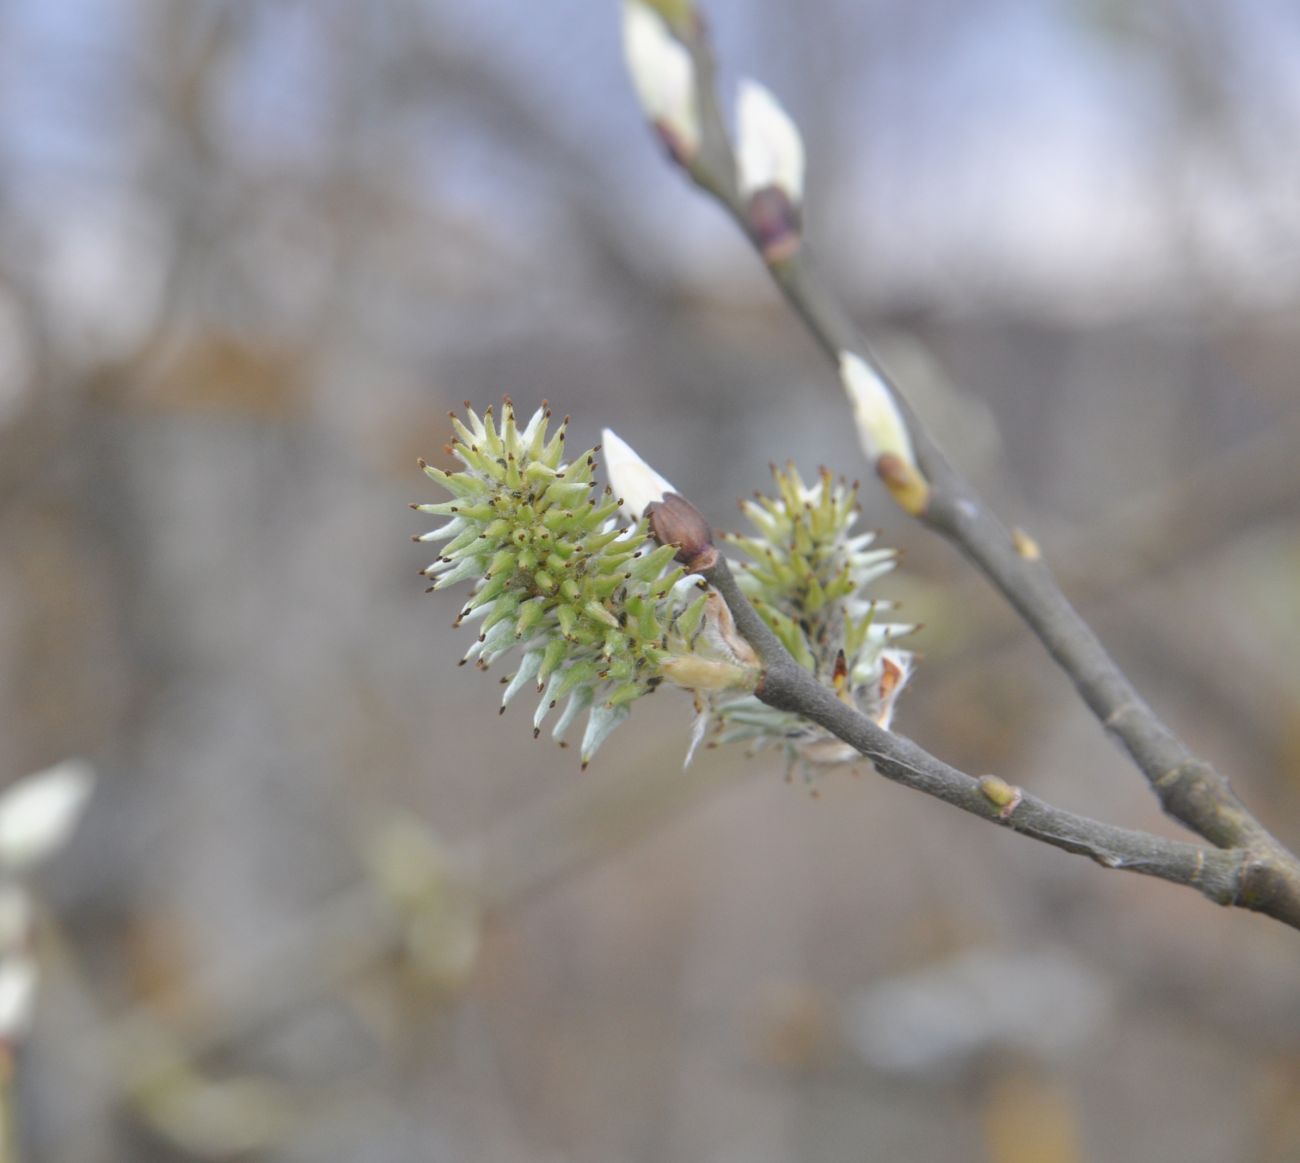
(326, 905)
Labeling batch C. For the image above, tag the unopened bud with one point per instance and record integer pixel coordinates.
(18, 980)
(881, 427)
(634, 482)
(675, 521)
(39, 813)
(664, 77)
(905, 484)
(1025, 545)
(680, 14)
(775, 224)
(883, 432)
(769, 165)
(997, 791)
(769, 150)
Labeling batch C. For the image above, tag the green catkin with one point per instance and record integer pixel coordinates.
(806, 573)
(551, 569)
(595, 610)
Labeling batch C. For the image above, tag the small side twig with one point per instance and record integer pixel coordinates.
(1227, 876)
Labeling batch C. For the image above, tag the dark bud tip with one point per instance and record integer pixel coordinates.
(891, 468)
(673, 145)
(908, 487)
(774, 224)
(840, 676)
(422, 462)
(536, 731)
(675, 521)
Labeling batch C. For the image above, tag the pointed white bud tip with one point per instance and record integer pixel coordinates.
(18, 978)
(633, 481)
(769, 149)
(880, 424)
(664, 78)
(40, 811)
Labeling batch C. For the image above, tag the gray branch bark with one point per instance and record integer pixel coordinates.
(1247, 866)
(1227, 876)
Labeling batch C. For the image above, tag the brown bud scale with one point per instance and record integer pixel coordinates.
(675, 521)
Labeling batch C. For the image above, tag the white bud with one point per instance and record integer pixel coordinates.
(18, 978)
(39, 812)
(632, 480)
(663, 76)
(769, 150)
(880, 424)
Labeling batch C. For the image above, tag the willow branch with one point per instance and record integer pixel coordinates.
(1189, 789)
(1227, 876)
